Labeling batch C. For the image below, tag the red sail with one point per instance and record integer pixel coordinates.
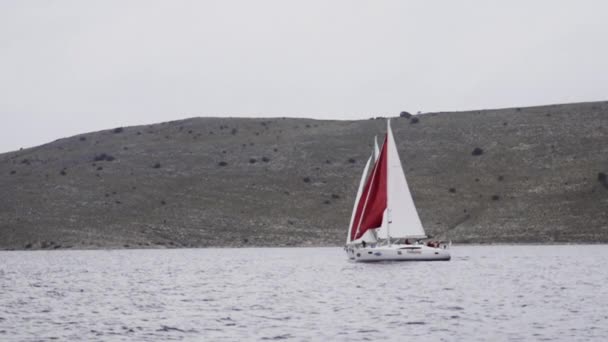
(373, 199)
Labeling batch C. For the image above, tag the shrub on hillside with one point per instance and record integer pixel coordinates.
(102, 157)
(603, 179)
(477, 151)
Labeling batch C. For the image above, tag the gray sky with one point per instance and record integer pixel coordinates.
(69, 67)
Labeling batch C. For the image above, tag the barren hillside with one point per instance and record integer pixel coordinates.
(512, 175)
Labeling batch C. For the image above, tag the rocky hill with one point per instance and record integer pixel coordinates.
(511, 175)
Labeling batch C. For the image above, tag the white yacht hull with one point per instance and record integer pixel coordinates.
(397, 252)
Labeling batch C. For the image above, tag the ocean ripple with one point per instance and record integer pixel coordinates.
(303, 294)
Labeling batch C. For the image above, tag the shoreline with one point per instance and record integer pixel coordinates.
(283, 247)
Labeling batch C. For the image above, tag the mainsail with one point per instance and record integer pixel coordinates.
(403, 219)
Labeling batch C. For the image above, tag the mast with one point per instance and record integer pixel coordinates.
(388, 186)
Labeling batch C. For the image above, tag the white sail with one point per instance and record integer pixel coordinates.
(401, 216)
(369, 237)
(358, 197)
(376, 149)
(382, 232)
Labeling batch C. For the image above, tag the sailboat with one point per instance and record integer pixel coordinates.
(384, 224)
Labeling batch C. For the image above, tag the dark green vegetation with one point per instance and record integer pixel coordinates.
(513, 175)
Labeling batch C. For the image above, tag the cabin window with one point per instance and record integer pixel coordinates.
(369, 252)
(399, 252)
(358, 254)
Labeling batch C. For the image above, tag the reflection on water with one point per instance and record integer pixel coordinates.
(484, 293)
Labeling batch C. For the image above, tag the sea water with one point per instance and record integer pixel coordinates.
(485, 293)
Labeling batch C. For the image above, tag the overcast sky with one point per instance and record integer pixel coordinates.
(69, 67)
